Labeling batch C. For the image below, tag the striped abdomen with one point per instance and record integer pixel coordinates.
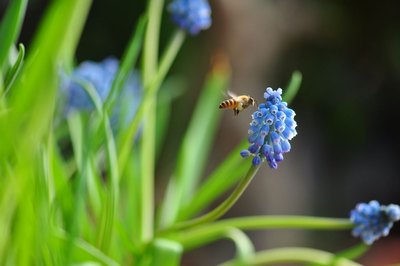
(228, 104)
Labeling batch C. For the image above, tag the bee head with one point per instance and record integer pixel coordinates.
(252, 101)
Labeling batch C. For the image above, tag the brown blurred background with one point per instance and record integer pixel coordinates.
(347, 109)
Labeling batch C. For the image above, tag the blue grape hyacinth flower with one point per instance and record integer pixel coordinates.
(100, 75)
(373, 220)
(271, 129)
(191, 15)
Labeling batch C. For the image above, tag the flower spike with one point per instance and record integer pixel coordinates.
(373, 220)
(191, 15)
(272, 127)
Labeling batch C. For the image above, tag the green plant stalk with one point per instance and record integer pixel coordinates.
(147, 171)
(150, 51)
(223, 207)
(295, 254)
(195, 237)
(147, 160)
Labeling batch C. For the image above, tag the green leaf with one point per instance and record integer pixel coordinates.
(15, 69)
(293, 86)
(10, 28)
(195, 147)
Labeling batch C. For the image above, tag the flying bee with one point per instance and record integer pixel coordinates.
(237, 103)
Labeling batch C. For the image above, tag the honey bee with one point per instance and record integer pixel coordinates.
(237, 103)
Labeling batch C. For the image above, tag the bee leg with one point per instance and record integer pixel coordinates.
(235, 112)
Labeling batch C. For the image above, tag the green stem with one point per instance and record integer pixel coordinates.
(228, 173)
(147, 162)
(195, 237)
(223, 207)
(243, 244)
(295, 254)
(150, 52)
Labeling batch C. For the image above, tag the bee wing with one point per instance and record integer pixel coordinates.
(231, 94)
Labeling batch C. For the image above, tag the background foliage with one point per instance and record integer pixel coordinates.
(347, 143)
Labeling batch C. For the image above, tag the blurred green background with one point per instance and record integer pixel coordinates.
(347, 109)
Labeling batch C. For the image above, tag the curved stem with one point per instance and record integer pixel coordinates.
(296, 254)
(223, 207)
(195, 237)
(244, 246)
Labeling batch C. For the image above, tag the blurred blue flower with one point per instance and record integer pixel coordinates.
(272, 127)
(101, 75)
(191, 15)
(372, 220)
